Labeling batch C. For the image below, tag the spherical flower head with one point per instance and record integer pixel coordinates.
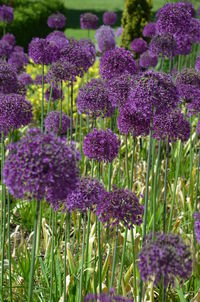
(62, 71)
(148, 59)
(8, 78)
(172, 126)
(138, 45)
(89, 21)
(173, 18)
(9, 38)
(15, 112)
(93, 99)
(57, 21)
(149, 30)
(188, 83)
(105, 38)
(119, 88)
(42, 51)
(197, 226)
(166, 256)
(5, 49)
(109, 18)
(59, 39)
(197, 64)
(119, 205)
(101, 145)
(54, 92)
(41, 166)
(86, 196)
(198, 128)
(131, 120)
(153, 91)
(183, 44)
(89, 51)
(25, 78)
(18, 48)
(38, 80)
(115, 62)
(18, 60)
(194, 32)
(119, 31)
(163, 44)
(57, 123)
(109, 297)
(6, 14)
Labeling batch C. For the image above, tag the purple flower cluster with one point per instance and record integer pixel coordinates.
(57, 123)
(166, 256)
(110, 297)
(197, 64)
(148, 59)
(101, 145)
(197, 226)
(93, 99)
(86, 196)
(25, 78)
(139, 45)
(164, 44)
(149, 30)
(38, 80)
(10, 39)
(18, 59)
(119, 31)
(5, 49)
(59, 39)
(188, 84)
(89, 21)
(105, 38)
(57, 21)
(42, 51)
(109, 18)
(117, 61)
(172, 125)
(6, 14)
(54, 92)
(62, 70)
(119, 205)
(15, 112)
(41, 166)
(8, 78)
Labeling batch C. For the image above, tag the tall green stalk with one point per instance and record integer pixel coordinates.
(52, 257)
(82, 259)
(42, 102)
(114, 258)
(9, 249)
(71, 113)
(99, 242)
(122, 261)
(32, 270)
(165, 187)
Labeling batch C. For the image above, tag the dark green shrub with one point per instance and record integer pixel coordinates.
(135, 16)
(30, 18)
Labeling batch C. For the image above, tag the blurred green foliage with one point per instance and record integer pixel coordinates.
(30, 18)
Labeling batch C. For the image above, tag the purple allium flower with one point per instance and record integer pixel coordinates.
(42, 51)
(110, 297)
(38, 80)
(119, 205)
(93, 99)
(25, 78)
(139, 45)
(15, 112)
(62, 71)
(6, 14)
(105, 38)
(8, 78)
(89, 51)
(101, 145)
(119, 31)
(163, 44)
(57, 21)
(18, 60)
(153, 91)
(188, 83)
(119, 88)
(9, 38)
(109, 18)
(89, 21)
(133, 121)
(148, 59)
(198, 128)
(164, 256)
(18, 48)
(173, 18)
(86, 196)
(149, 30)
(172, 125)
(41, 166)
(56, 124)
(197, 226)
(197, 64)
(59, 39)
(5, 49)
(183, 44)
(117, 61)
(194, 32)
(55, 33)
(55, 93)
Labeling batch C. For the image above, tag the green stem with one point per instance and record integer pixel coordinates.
(114, 258)
(134, 266)
(71, 114)
(9, 249)
(99, 241)
(165, 187)
(61, 96)
(31, 276)
(52, 257)
(42, 103)
(67, 237)
(87, 246)
(82, 259)
(50, 96)
(122, 261)
(132, 163)
(127, 168)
